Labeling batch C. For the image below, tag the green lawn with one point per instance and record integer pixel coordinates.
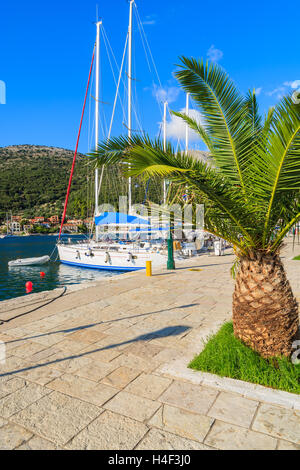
(297, 257)
(226, 356)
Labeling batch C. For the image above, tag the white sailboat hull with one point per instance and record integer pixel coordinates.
(122, 259)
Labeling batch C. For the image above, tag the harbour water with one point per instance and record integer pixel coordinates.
(13, 279)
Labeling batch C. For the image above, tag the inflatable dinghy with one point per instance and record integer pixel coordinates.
(29, 261)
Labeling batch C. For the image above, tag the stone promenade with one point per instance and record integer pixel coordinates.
(89, 370)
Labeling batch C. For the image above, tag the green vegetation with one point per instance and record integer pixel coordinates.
(227, 356)
(34, 180)
(297, 257)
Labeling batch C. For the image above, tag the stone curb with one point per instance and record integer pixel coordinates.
(178, 369)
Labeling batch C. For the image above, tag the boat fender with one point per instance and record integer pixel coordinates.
(77, 254)
(130, 257)
(107, 257)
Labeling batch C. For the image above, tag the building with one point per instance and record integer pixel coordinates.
(27, 228)
(16, 218)
(71, 228)
(36, 220)
(15, 227)
(75, 222)
(54, 219)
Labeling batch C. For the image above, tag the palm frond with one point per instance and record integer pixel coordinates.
(224, 113)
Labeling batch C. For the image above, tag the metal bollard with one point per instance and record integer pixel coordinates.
(148, 268)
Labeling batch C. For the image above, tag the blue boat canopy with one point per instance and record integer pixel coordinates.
(119, 218)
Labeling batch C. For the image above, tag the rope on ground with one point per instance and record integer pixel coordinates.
(34, 309)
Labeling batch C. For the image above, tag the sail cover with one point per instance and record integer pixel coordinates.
(120, 218)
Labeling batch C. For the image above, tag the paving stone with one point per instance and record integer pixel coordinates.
(230, 437)
(82, 388)
(12, 436)
(285, 445)
(148, 386)
(96, 353)
(167, 355)
(189, 396)
(10, 384)
(87, 336)
(120, 377)
(57, 417)
(21, 398)
(46, 355)
(40, 375)
(279, 422)
(181, 422)
(157, 439)
(48, 339)
(132, 406)
(38, 443)
(12, 366)
(233, 409)
(109, 431)
(95, 371)
(27, 349)
(2, 422)
(137, 363)
(69, 364)
(70, 347)
(143, 350)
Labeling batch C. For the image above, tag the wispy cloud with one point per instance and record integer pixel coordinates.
(214, 54)
(258, 91)
(278, 91)
(149, 20)
(168, 93)
(284, 89)
(2, 92)
(176, 126)
(295, 84)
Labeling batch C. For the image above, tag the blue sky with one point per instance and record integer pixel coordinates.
(46, 50)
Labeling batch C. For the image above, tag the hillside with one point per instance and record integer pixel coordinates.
(34, 180)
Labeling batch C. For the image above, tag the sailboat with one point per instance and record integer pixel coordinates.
(126, 251)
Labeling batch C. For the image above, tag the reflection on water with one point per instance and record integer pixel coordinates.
(13, 279)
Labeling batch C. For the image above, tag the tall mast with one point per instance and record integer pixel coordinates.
(129, 92)
(98, 25)
(165, 144)
(186, 126)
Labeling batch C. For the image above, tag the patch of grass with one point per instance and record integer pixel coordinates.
(297, 257)
(227, 356)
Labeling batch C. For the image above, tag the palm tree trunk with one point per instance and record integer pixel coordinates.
(265, 311)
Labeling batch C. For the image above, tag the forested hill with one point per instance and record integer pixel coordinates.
(34, 180)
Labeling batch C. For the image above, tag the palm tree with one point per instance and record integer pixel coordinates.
(251, 193)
